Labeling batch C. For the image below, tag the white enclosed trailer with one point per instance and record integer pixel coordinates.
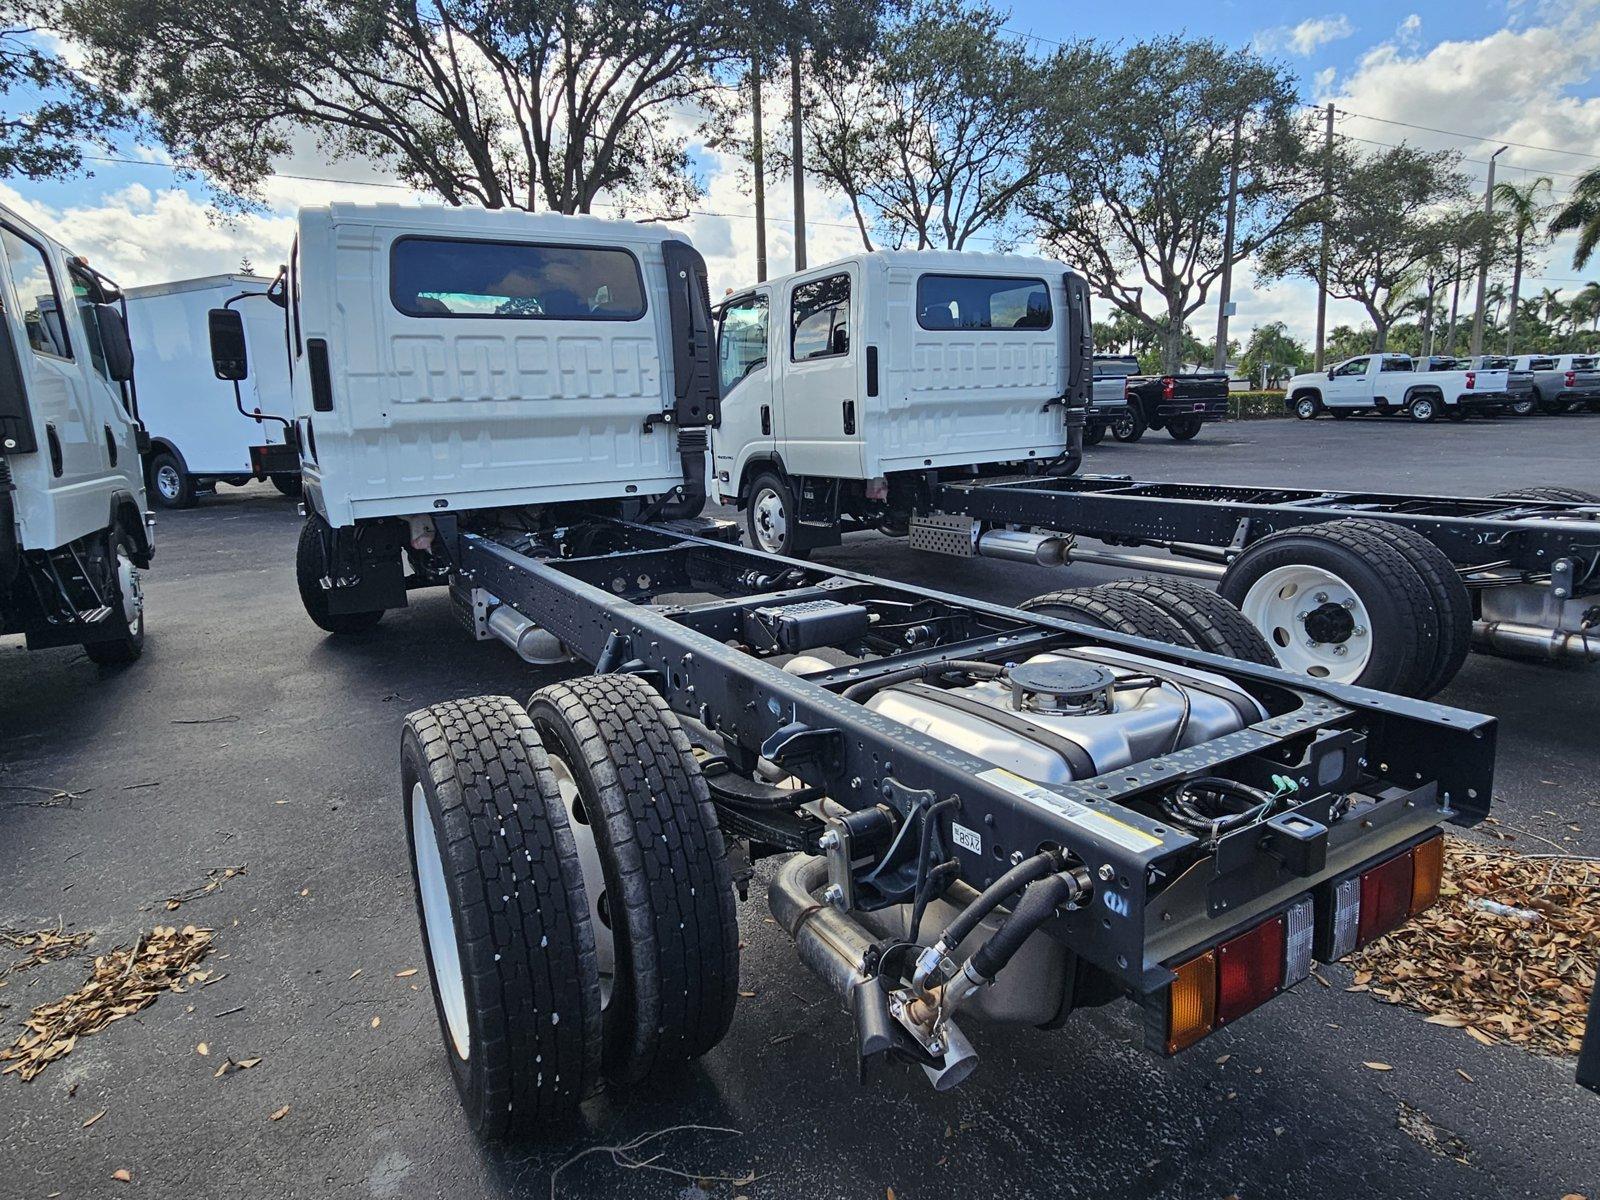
(201, 435)
(73, 530)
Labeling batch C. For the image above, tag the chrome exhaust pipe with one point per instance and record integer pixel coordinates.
(1166, 564)
(533, 644)
(1043, 549)
(1536, 641)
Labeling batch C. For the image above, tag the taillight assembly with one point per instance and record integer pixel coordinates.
(1472, 380)
(1239, 975)
(1572, 379)
(1169, 388)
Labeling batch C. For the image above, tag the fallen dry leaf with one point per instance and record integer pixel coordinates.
(376, 1021)
(202, 1049)
(1465, 1076)
(280, 1114)
(214, 880)
(93, 1119)
(1378, 1066)
(354, 973)
(121, 984)
(122, 1175)
(1500, 978)
(406, 974)
(42, 945)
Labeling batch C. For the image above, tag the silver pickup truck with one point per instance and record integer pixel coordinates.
(1562, 382)
(1108, 407)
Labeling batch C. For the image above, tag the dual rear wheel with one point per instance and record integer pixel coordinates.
(574, 894)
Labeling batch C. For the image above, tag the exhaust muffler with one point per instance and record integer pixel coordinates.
(533, 644)
(1044, 549)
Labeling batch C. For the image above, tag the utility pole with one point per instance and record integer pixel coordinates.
(758, 164)
(1219, 357)
(1322, 261)
(1483, 254)
(798, 154)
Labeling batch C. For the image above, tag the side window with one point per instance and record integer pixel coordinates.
(819, 324)
(37, 295)
(981, 302)
(82, 290)
(1397, 364)
(449, 277)
(742, 340)
(1356, 366)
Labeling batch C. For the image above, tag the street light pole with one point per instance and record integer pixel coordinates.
(1219, 358)
(1483, 254)
(1322, 258)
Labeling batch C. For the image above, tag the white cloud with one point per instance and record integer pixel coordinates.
(1305, 38)
(1409, 31)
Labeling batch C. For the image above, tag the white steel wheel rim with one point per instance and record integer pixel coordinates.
(1422, 409)
(772, 523)
(1306, 408)
(439, 925)
(167, 481)
(1279, 603)
(131, 589)
(594, 876)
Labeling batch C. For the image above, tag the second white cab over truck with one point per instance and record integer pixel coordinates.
(1389, 384)
(986, 814)
(74, 534)
(201, 433)
(845, 387)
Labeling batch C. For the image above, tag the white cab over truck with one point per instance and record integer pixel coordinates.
(1392, 383)
(73, 529)
(847, 387)
(1563, 382)
(200, 433)
(456, 363)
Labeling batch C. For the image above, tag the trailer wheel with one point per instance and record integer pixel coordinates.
(1307, 407)
(1422, 409)
(170, 485)
(772, 518)
(655, 870)
(1451, 602)
(1129, 426)
(1093, 433)
(505, 928)
(310, 566)
(126, 605)
(1118, 611)
(1337, 603)
(1554, 495)
(1183, 429)
(1214, 624)
(287, 483)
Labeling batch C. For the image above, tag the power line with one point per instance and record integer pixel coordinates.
(1470, 136)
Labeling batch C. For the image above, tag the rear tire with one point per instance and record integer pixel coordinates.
(1118, 611)
(1215, 625)
(1093, 434)
(1129, 426)
(1341, 414)
(505, 927)
(286, 483)
(1555, 495)
(1183, 429)
(126, 601)
(171, 486)
(659, 884)
(1422, 409)
(1523, 408)
(310, 567)
(1372, 602)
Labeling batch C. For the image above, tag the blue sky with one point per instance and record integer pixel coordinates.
(1525, 71)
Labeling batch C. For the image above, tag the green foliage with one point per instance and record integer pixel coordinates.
(1273, 354)
(49, 112)
(1582, 214)
(1247, 406)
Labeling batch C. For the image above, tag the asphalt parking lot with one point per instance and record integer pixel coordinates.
(245, 737)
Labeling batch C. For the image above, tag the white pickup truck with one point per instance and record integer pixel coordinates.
(1563, 381)
(1392, 383)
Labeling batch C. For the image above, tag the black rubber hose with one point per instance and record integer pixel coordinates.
(859, 692)
(1038, 903)
(1014, 880)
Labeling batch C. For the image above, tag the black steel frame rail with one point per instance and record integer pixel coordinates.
(1437, 761)
(1532, 535)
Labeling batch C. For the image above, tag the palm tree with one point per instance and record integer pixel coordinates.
(1582, 213)
(1521, 203)
(1586, 305)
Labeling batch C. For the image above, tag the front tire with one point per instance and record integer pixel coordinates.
(171, 486)
(310, 568)
(505, 929)
(1307, 407)
(126, 602)
(772, 517)
(655, 866)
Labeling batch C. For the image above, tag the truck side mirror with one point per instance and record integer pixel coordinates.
(114, 342)
(229, 358)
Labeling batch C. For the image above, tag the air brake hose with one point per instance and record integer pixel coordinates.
(1038, 904)
(965, 921)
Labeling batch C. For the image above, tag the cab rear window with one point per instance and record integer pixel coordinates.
(982, 302)
(451, 277)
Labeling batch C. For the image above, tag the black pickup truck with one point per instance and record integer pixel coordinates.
(1180, 404)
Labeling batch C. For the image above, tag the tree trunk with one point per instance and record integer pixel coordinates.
(1516, 290)
(1455, 299)
(796, 116)
(1172, 344)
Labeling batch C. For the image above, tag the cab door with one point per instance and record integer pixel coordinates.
(749, 425)
(819, 425)
(1347, 388)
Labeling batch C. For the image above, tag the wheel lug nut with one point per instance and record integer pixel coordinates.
(1359, 631)
(1349, 604)
(1340, 650)
(1321, 597)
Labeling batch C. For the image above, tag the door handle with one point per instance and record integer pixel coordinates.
(766, 420)
(849, 416)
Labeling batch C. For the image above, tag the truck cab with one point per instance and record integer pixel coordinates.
(74, 534)
(846, 386)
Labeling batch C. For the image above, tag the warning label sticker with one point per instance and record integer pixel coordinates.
(1127, 836)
